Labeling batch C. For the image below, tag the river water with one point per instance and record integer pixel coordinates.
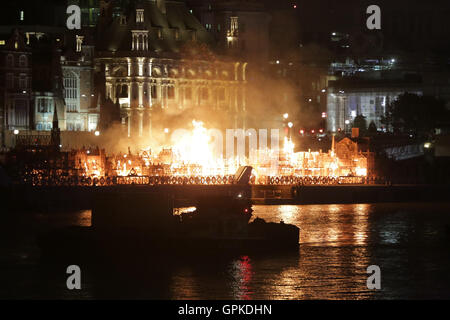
(409, 242)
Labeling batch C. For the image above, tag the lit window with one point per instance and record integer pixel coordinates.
(79, 42)
(22, 15)
(71, 91)
(140, 15)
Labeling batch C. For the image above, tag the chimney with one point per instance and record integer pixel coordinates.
(161, 4)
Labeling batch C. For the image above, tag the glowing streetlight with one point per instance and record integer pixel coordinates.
(16, 132)
(286, 115)
(97, 133)
(166, 130)
(290, 124)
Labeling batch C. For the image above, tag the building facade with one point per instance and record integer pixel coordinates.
(347, 99)
(15, 84)
(155, 58)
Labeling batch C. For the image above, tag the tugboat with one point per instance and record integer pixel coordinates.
(219, 224)
(223, 223)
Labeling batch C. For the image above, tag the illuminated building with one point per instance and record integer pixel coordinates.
(15, 84)
(155, 57)
(347, 99)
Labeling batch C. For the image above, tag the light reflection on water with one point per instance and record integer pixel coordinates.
(338, 242)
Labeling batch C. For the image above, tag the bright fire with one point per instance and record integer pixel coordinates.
(195, 158)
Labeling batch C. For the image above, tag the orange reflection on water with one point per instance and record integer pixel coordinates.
(84, 218)
(332, 224)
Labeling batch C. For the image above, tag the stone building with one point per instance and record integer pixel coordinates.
(155, 57)
(15, 84)
(82, 111)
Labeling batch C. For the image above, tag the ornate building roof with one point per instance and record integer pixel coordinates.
(169, 25)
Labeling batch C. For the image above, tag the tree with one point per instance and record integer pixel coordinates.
(411, 113)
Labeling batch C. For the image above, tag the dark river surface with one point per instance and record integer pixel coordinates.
(410, 243)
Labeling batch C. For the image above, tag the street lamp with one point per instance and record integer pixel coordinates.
(97, 133)
(16, 132)
(286, 115)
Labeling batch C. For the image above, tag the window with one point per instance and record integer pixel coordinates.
(139, 15)
(71, 92)
(124, 93)
(171, 92)
(93, 122)
(23, 81)
(79, 42)
(10, 61)
(154, 92)
(21, 114)
(44, 105)
(22, 15)
(23, 61)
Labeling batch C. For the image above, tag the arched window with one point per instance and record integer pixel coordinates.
(23, 61)
(124, 93)
(10, 60)
(71, 91)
